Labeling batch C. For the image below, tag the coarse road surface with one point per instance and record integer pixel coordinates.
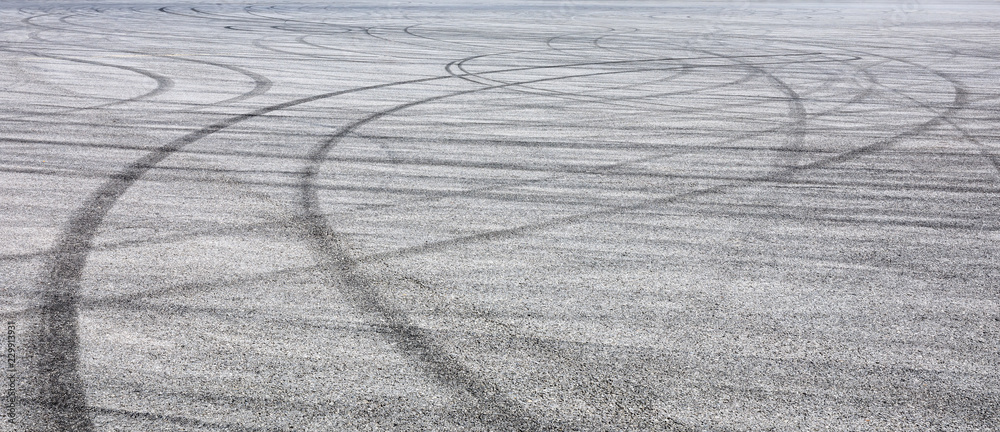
(500, 216)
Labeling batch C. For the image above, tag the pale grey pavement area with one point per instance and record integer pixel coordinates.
(500, 216)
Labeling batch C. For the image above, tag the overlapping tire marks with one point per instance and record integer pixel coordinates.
(409, 336)
(959, 101)
(58, 344)
(62, 393)
(962, 97)
(261, 83)
(414, 340)
(959, 87)
(370, 300)
(420, 344)
(163, 83)
(57, 348)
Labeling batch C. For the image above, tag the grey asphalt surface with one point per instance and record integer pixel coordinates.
(518, 215)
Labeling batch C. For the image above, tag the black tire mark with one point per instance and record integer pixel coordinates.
(466, 73)
(413, 340)
(959, 101)
(795, 147)
(163, 83)
(633, 407)
(993, 159)
(61, 388)
(161, 36)
(261, 83)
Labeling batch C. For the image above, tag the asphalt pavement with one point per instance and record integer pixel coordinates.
(500, 216)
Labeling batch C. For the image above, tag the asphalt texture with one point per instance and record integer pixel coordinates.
(500, 216)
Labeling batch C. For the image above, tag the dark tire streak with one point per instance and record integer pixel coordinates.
(58, 343)
(413, 340)
(780, 176)
(163, 83)
(261, 83)
(486, 402)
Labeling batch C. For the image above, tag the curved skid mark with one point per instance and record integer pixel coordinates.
(419, 338)
(261, 83)
(58, 343)
(61, 388)
(960, 99)
(412, 340)
(163, 83)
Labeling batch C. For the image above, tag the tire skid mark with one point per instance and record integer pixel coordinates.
(261, 83)
(111, 301)
(752, 71)
(365, 296)
(960, 100)
(58, 343)
(61, 387)
(984, 150)
(410, 336)
(161, 36)
(163, 83)
(632, 407)
(945, 119)
(797, 109)
(413, 341)
(685, 69)
(959, 88)
(585, 98)
(361, 292)
(260, 43)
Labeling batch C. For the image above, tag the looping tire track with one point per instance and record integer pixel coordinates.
(261, 83)
(959, 100)
(413, 341)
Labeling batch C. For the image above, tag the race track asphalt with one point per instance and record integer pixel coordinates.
(500, 216)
